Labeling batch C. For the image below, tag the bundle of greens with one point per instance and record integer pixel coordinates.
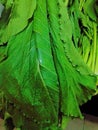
(43, 71)
(88, 33)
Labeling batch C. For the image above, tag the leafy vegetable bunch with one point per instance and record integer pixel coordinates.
(48, 60)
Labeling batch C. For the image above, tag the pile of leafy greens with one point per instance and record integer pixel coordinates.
(48, 60)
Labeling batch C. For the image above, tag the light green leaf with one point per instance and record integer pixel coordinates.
(89, 9)
(29, 75)
(15, 17)
(77, 82)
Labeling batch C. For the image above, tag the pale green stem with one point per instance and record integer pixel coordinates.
(81, 4)
(94, 46)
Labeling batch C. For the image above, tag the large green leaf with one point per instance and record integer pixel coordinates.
(29, 76)
(77, 82)
(15, 17)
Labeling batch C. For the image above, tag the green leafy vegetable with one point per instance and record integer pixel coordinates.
(44, 57)
(15, 17)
